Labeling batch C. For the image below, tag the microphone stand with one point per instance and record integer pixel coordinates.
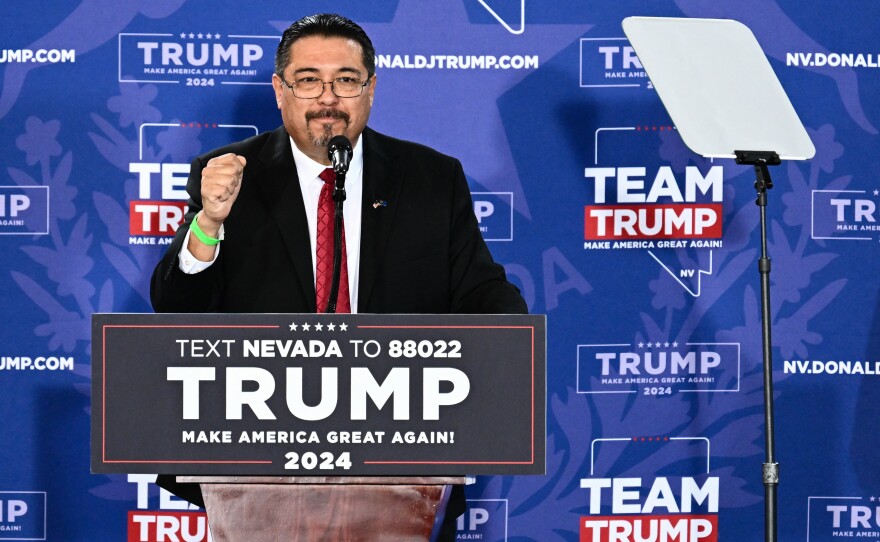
(339, 198)
(770, 471)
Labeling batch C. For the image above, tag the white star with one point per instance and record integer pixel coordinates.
(292, 326)
(191, 35)
(877, 192)
(666, 344)
(343, 327)
(331, 327)
(319, 327)
(217, 36)
(675, 344)
(641, 345)
(305, 327)
(183, 35)
(201, 35)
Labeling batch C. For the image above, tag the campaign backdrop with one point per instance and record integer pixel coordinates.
(641, 253)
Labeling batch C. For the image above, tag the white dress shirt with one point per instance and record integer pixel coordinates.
(310, 185)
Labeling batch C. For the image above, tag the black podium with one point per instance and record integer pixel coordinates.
(319, 426)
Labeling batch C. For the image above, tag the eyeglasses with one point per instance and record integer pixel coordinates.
(312, 87)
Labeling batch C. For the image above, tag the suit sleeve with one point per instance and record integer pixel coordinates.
(478, 284)
(172, 290)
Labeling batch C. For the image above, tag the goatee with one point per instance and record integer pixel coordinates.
(322, 139)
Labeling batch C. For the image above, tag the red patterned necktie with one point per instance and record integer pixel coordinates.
(324, 249)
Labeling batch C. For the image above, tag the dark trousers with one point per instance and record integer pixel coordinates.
(456, 507)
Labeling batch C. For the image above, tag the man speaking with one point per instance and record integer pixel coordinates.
(259, 234)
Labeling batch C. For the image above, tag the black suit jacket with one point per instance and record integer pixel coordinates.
(422, 252)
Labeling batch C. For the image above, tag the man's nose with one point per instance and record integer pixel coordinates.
(327, 95)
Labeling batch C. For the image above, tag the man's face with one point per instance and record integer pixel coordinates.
(311, 122)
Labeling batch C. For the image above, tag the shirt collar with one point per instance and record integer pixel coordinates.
(308, 169)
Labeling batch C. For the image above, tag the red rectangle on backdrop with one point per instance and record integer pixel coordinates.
(661, 221)
(155, 217)
(666, 528)
(163, 525)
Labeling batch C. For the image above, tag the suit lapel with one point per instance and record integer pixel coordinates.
(279, 186)
(382, 183)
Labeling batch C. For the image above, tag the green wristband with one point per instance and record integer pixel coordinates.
(202, 236)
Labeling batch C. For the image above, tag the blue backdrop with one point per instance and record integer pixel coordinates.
(642, 254)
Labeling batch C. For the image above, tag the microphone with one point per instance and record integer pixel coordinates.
(339, 152)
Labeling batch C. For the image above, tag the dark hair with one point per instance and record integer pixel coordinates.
(328, 25)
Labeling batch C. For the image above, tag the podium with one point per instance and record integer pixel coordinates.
(311, 509)
(312, 427)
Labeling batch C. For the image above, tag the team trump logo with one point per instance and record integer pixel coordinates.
(160, 206)
(657, 513)
(632, 203)
(157, 217)
(628, 503)
(175, 519)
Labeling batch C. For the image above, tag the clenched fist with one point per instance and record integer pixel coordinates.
(221, 182)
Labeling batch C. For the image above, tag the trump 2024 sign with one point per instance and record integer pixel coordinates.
(318, 394)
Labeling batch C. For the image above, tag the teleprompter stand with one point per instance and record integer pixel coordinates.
(722, 94)
(760, 161)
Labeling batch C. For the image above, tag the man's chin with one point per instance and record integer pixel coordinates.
(323, 139)
(326, 131)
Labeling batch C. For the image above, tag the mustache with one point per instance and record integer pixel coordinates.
(327, 114)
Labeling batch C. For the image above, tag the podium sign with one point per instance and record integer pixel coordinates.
(318, 394)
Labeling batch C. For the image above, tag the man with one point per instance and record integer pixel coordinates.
(411, 240)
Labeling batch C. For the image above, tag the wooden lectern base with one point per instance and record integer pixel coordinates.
(313, 509)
